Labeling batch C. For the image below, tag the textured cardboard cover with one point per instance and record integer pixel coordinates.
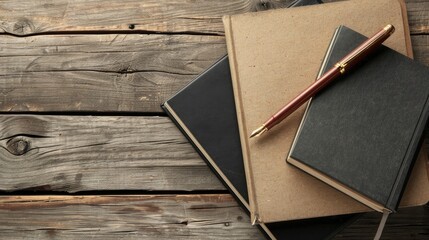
(276, 54)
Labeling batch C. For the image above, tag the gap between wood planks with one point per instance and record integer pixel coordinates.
(98, 32)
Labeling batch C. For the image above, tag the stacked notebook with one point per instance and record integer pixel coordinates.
(273, 73)
(205, 112)
(217, 116)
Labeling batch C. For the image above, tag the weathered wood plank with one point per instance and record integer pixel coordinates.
(82, 153)
(202, 16)
(100, 72)
(418, 16)
(124, 217)
(108, 73)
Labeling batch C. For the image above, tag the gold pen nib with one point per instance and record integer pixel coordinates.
(259, 131)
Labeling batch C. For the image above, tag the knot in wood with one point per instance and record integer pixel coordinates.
(23, 26)
(264, 5)
(18, 146)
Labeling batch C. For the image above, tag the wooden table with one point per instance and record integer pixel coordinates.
(86, 151)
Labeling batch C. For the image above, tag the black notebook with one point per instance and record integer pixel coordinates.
(362, 133)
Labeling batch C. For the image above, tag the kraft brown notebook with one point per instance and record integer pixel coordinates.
(276, 54)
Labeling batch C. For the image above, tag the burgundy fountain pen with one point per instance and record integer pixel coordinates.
(345, 64)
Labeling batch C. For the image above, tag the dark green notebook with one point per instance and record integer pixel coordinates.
(362, 133)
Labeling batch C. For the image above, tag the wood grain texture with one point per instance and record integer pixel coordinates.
(124, 217)
(133, 73)
(418, 16)
(201, 16)
(108, 73)
(84, 153)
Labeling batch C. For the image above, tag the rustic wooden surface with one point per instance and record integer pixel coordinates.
(124, 217)
(83, 153)
(80, 88)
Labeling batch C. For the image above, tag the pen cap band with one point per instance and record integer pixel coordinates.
(366, 48)
(342, 67)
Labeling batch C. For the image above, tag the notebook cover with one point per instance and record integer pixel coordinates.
(205, 112)
(363, 131)
(268, 72)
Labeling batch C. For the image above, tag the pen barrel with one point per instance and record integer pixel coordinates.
(304, 96)
(346, 63)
